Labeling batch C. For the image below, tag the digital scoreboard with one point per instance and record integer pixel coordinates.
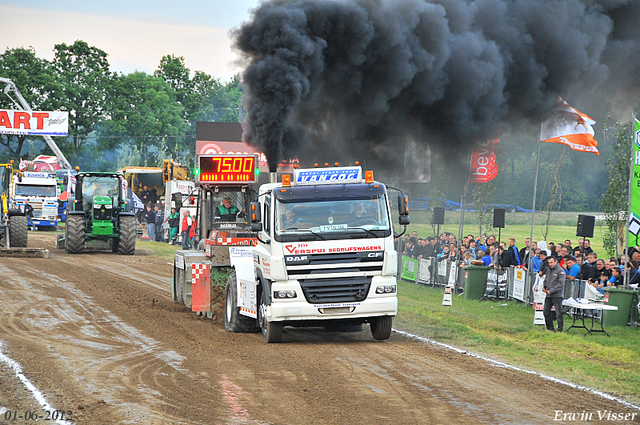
(227, 169)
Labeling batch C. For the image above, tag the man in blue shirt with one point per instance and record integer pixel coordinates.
(487, 258)
(572, 268)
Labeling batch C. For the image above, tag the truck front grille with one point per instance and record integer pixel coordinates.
(335, 290)
(101, 213)
(347, 264)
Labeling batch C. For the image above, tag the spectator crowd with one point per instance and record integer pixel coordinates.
(580, 262)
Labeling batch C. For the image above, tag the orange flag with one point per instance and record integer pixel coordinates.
(570, 127)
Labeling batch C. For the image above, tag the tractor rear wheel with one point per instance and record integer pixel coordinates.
(18, 231)
(75, 234)
(127, 242)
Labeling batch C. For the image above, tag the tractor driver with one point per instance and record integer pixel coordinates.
(227, 212)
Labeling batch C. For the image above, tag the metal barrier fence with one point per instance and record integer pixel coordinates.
(513, 283)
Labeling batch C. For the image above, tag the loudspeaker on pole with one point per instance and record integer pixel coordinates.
(438, 215)
(586, 223)
(498, 218)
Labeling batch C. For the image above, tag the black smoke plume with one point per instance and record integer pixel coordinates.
(327, 78)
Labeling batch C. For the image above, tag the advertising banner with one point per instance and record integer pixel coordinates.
(483, 162)
(634, 216)
(34, 123)
(518, 285)
(409, 268)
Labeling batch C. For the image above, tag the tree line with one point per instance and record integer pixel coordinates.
(118, 119)
(115, 119)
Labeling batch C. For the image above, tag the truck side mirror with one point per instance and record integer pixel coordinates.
(177, 198)
(255, 218)
(403, 210)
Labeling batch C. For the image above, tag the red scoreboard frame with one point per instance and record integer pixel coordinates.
(227, 169)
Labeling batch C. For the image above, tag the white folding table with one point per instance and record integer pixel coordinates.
(580, 311)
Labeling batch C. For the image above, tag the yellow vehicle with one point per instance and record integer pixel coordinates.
(154, 177)
(13, 223)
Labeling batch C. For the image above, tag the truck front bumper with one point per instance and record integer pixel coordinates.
(43, 223)
(298, 309)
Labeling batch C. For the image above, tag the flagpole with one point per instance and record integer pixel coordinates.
(626, 245)
(535, 190)
(462, 208)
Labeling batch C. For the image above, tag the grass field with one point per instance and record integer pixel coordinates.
(504, 331)
(157, 249)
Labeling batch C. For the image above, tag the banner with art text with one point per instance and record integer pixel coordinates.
(36, 123)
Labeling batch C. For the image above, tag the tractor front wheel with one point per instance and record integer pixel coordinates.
(127, 242)
(75, 234)
(18, 231)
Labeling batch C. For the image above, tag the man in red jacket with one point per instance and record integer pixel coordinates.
(187, 225)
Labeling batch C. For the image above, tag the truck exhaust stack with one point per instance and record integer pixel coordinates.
(273, 177)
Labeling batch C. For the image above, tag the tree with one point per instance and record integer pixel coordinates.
(223, 105)
(554, 195)
(84, 73)
(615, 200)
(143, 111)
(483, 194)
(437, 186)
(37, 83)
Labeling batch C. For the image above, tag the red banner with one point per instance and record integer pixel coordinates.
(483, 162)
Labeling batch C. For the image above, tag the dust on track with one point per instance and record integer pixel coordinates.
(99, 335)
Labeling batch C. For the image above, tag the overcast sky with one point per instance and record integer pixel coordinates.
(135, 33)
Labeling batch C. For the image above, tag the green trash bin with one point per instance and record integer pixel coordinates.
(475, 282)
(622, 299)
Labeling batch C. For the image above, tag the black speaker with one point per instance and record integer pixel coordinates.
(498, 217)
(586, 223)
(438, 215)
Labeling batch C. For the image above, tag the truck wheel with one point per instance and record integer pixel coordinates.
(233, 320)
(75, 234)
(381, 327)
(271, 331)
(127, 242)
(18, 231)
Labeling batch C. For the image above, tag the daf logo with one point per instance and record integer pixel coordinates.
(296, 259)
(375, 254)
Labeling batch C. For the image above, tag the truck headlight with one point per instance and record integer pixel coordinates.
(288, 293)
(386, 289)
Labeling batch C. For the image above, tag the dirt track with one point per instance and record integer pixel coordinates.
(99, 335)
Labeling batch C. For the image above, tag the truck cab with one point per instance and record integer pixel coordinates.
(41, 190)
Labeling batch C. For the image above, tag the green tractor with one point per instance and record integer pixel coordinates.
(98, 211)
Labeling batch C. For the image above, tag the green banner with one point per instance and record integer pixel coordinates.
(409, 268)
(634, 217)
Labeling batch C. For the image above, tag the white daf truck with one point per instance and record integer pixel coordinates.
(325, 254)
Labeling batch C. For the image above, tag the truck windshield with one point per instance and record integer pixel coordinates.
(325, 219)
(35, 190)
(100, 186)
